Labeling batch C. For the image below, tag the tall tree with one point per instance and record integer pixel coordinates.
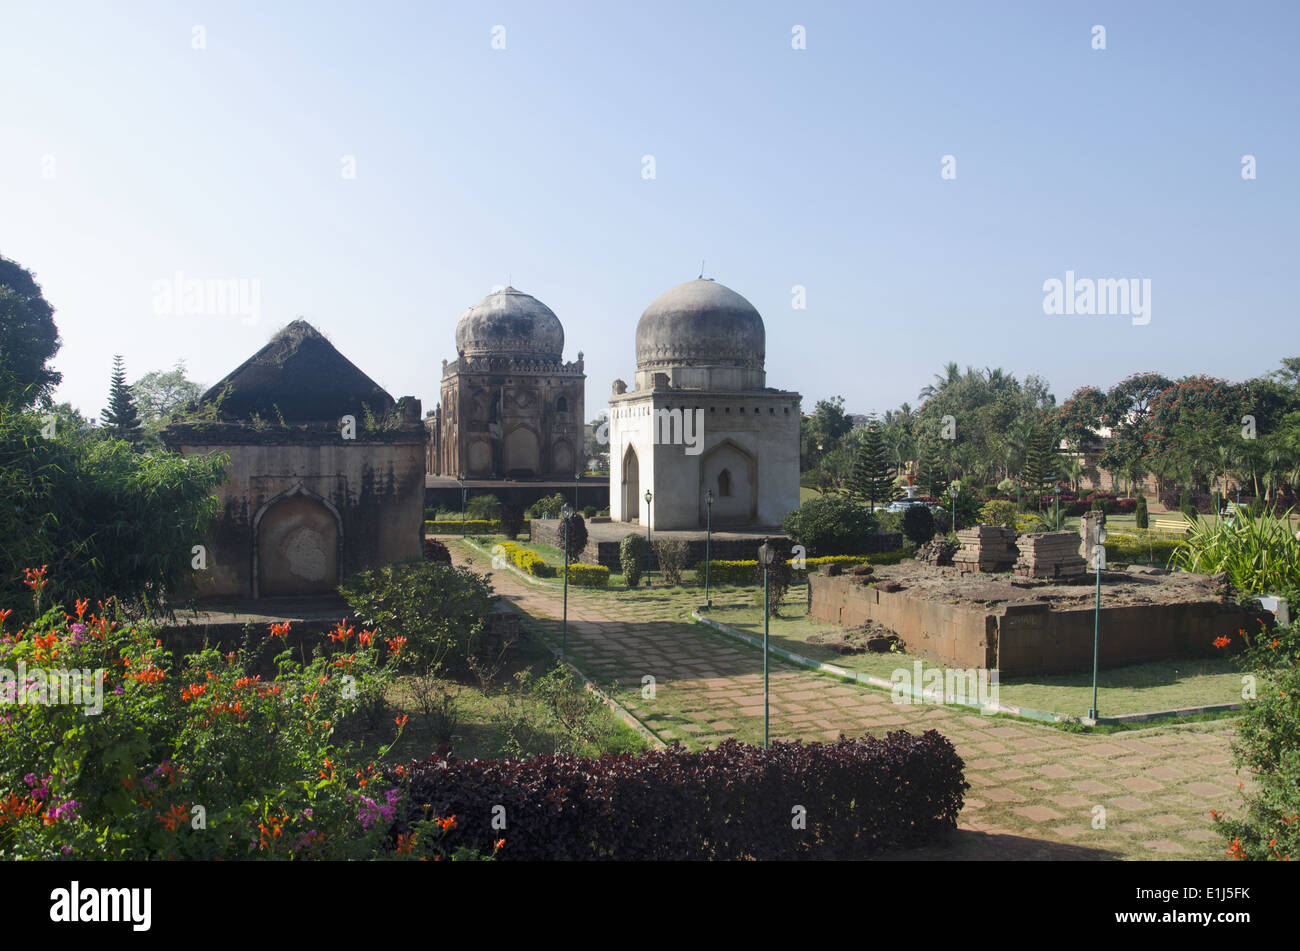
(121, 419)
(872, 481)
(1042, 464)
(28, 338)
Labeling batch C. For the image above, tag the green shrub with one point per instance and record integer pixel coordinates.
(589, 511)
(1260, 555)
(588, 576)
(1266, 748)
(671, 553)
(830, 525)
(999, 513)
(548, 507)
(524, 559)
(577, 534)
(1140, 516)
(512, 520)
(476, 526)
(632, 558)
(918, 524)
(439, 609)
(485, 507)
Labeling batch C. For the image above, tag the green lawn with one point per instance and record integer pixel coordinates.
(1141, 688)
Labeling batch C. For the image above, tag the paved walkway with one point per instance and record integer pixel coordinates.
(1036, 791)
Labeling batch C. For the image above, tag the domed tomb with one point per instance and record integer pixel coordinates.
(701, 335)
(510, 323)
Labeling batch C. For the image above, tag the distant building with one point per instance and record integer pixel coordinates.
(326, 472)
(701, 418)
(511, 407)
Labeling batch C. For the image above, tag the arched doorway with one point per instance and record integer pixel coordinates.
(631, 486)
(731, 473)
(298, 542)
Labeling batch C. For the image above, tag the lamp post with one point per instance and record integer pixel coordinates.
(649, 497)
(1099, 560)
(565, 513)
(952, 492)
(765, 555)
(1056, 490)
(460, 477)
(576, 477)
(708, 543)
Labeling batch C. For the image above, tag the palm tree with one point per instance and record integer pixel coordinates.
(951, 374)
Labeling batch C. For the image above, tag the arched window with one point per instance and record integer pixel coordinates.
(562, 405)
(724, 483)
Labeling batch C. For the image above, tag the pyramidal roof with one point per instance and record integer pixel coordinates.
(299, 376)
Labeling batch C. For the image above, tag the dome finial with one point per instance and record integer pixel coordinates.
(701, 269)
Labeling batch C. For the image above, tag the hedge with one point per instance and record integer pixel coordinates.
(1127, 549)
(526, 560)
(743, 572)
(473, 526)
(856, 797)
(588, 576)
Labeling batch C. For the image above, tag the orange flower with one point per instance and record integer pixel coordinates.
(35, 578)
(192, 691)
(280, 630)
(1222, 641)
(1235, 849)
(4, 615)
(173, 817)
(366, 638)
(396, 644)
(445, 824)
(401, 721)
(500, 843)
(406, 842)
(150, 675)
(340, 633)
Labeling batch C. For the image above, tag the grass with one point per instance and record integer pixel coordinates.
(478, 732)
(1139, 688)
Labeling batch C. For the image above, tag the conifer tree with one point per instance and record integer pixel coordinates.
(1042, 464)
(121, 419)
(871, 480)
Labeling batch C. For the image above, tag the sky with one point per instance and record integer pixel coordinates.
(376, 168)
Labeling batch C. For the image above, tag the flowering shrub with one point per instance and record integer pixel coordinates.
(588, 576)
(186, 758)
(844, 799)
(527, 560)
(1266, 745)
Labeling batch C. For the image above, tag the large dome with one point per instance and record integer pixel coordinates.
(697, 324)
(510, 323)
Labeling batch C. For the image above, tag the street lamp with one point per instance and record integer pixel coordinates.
(952, 491)
(765, 555)
(565, 514)
(460, 477)
(649, 497)
(1099, 559)
(576, 476)
(708, 542)
(1056, 490)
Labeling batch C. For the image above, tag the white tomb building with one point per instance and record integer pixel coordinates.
(702, 419)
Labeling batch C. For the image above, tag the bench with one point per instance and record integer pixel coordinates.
(1176, 525)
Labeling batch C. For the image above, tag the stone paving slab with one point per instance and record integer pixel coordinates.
(1034, 788)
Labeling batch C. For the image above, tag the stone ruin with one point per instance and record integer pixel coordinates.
(1049, 555)
(986, 548)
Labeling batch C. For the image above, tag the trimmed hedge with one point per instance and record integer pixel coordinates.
(1130, 549)
(742, 572)
(588, 576)
(734, 801)
(473, 526)
(527, 561)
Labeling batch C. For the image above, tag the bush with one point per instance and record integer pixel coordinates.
(434, 611)
(742, 572)
(777, 577)
(548, 507)
(1260, 555)
(1099, 505)
(524, 559)
(732, 801)
(830, 525)
(577, 529)
(999, 513)
(435, 550)
(888, 521)
(632, 558)
(1141, 518)
(589, 511)
(588, 576)
(174, 732)
(512, 520)
(486, 507)
(671, 553)
(1265, 747)
(918, 524)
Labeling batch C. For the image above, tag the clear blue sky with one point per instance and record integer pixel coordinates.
(818, 167)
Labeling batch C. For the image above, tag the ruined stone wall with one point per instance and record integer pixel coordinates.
(373, 490)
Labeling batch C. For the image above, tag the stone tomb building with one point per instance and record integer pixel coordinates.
(307, 500)
(511, 407)
(702, 417)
